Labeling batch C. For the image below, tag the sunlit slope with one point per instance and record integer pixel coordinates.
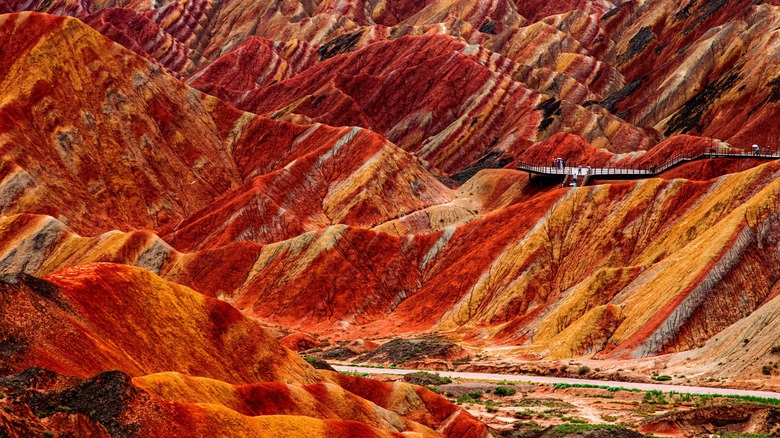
(629, 269)
(90, 318)
(395, 407)
(213, 369)
(100, 138)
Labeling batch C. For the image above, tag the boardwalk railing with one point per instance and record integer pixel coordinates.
(648, 170)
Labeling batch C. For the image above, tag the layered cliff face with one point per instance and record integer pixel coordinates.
(346, 168)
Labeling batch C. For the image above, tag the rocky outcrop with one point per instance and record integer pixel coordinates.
(719, 419)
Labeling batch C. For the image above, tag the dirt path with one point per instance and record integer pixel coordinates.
(538, 379)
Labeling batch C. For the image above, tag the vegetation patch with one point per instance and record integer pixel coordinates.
(503, 391)
(355, 373)
(423, 378)
(469, 398)
(587, 385)
(579, 428)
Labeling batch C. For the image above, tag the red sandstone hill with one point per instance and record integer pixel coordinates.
(148, 152)
(485, 256)
(619, 74)
(92, 318)
(616, 270)
(329, 211)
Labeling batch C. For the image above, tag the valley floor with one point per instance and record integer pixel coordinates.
(682, 389)
(524, 406)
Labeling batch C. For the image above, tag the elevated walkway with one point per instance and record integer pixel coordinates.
(570, 174)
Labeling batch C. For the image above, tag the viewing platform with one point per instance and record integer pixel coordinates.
(581, 175)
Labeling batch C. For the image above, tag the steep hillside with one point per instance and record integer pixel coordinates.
(86, 320)
(178, 171)
(138, 149)
(96, 317)
(622, 75)
(621, 270)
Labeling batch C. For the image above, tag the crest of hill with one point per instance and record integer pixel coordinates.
(90, 318)
(508, 271)
(138, 149)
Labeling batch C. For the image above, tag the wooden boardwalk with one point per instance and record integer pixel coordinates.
(645, 171)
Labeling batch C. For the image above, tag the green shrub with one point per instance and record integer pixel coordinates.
(579, 428)
(469, 397)
(588, 385)
(766, 370)
(424, 378)
(583, 370)
(662, 378)
(433, 389)
(503, 391)
(355, 373)
(524, 414)
(654, 397)
(461, 361)
(527, 425)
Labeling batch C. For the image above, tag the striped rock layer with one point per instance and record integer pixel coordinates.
(463, 83)
(322, 166)
(168, 359)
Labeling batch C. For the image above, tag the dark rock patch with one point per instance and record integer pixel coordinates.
(774, 87)
(338, 353)
(637, 44)
(399, 351)
(488, 27)
(493, 160)
(423, 378)
(618, 96)
(318, 363)
(341, 44)
(688, 117)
